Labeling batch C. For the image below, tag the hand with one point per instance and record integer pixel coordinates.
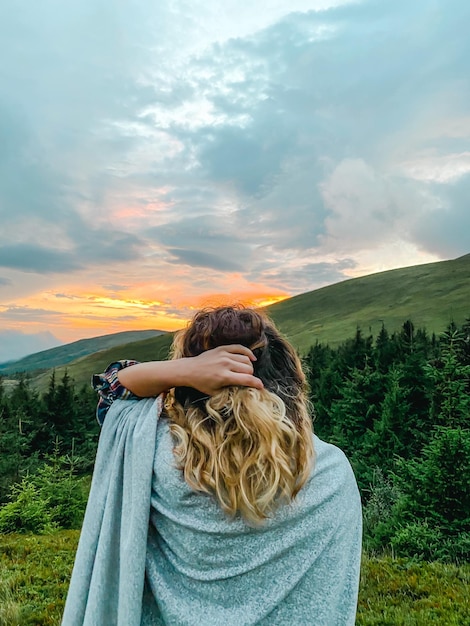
(221, 367)
(208, 372)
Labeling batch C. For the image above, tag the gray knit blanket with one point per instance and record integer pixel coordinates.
(154, 552)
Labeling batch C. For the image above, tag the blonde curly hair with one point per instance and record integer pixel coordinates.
(251, 448)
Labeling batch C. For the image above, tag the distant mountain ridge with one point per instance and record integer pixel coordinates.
(430, 295)
(61, 355)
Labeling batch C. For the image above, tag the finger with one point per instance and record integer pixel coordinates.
(239, 358)
(240, 367)
(245, 380)
(240, 350)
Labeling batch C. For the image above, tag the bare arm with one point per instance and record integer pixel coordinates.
(208, 372)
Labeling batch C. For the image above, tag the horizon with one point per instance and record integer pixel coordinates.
(238, 154)
(184, 322)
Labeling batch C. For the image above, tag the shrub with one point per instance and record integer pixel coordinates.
(65, 495)
(380, 512)
(49, 499)
(27, 511)
(418, 540)
(421, 541)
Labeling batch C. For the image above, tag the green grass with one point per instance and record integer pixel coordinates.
(398, 592)
(35, 571)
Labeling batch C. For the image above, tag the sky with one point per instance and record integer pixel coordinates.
(157, 157)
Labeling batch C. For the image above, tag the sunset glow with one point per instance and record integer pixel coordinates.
(181, 155)
(88, 314)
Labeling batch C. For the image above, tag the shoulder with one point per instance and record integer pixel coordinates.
(333, 475)
(110, 389)
(328, 453)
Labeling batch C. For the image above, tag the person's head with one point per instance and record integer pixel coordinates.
(277, 363)
(252, 448)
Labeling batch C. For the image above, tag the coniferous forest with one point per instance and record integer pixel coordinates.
(397, 404)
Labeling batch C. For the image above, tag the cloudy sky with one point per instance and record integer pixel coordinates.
(159, 156)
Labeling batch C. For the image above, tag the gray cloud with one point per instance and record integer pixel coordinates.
(52, 141)
(197, 258)
(116, 287)
(245, 158)
(446, 230)
(320, 99)
(205, 241)
(109, 246)
(27, 313)
(305, 277)
(31, 258)
(5, 281)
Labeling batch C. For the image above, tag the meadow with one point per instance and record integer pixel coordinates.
(35, 571)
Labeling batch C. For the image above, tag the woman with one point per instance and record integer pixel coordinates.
(214, 503)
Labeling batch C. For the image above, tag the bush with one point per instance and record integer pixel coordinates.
(380, 512)
(421, 541)
(51, 498)
(418, 540)
(65, 495)
(423, 511)
(27, 511)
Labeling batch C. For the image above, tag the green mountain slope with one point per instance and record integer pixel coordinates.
(430, 295)
(81, 370)
(61, 355)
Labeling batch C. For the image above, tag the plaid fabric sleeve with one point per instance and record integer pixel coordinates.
(109, 388)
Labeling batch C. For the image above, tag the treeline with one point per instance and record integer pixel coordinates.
(34, 427)
(397, 404)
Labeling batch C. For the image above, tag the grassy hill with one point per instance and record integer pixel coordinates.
(47, 359)
(430, 295)
(153, 349)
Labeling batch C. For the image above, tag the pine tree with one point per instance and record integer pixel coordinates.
(16, 451)
(354, 414)
(391, 433)
(466, 342)
(450, 378)
(385, 351)
(436, 484)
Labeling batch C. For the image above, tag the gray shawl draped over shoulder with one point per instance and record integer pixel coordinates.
(154, 552)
